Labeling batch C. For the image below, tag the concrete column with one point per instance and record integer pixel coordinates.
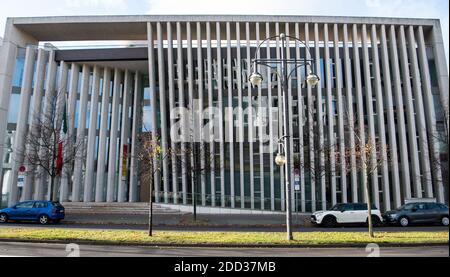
(330, 117)
(349, 113)
(412, 131)
(153, 101)
(124, 149)
(381, 125)
(192, 125)
(430, 117)
(81, 135)
(182, 104)
(47, 118)
(442, 74)
(240, 117)
(390, 119)
(359, 103)
(250, 116)
(271, 130)
(260, 130)
(211, 155)
(301, 122)
(172, 99)
(162, 102)
(401, 124)
(22, 122)
(290, 127)
(61, 106)
(72, 102)
(136, 130)
(38, 91)
(201, 104)
(319, 112)
(310, 114)
(8, 54)
(421, 125)
(341, 114)
(92, 137)
(220, 100)
(102, 149)
(280, 116)
(62, 93)
(113, 136)
(230, 137)
(370, 116)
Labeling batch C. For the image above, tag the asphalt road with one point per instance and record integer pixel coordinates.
(232, 228)
(12, 249)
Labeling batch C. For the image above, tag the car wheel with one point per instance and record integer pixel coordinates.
(43, 219)
(3, 218)
(444, 220)
(404, 221)
(329, 222)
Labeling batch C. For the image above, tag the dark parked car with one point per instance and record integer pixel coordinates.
(418, 213)
(41, 211)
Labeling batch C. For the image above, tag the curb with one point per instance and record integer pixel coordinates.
(173, 245)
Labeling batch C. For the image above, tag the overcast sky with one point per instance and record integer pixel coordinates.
(384, 8)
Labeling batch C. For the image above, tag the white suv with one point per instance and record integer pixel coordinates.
(350, 213)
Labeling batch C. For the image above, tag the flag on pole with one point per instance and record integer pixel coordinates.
(62, 139)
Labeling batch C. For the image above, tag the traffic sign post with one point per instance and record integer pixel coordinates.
(21, 177)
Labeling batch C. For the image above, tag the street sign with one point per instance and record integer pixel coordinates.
(22, 169)
(297, 186)
(297, 175)
(20, 181)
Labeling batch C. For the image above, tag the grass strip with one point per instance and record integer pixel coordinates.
(223, 238)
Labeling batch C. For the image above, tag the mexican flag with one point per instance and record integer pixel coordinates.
(62, 139)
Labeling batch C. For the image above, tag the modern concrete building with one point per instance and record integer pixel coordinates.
(382, 79)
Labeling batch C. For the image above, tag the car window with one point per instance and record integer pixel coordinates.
(407, 207)
(40, 205)
(432, 206)
(443, 207)
(338, 207)
(349, 207)
(57, 204)
(25, 205)
(421, 206)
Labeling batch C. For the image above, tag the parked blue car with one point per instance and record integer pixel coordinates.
(41, 211)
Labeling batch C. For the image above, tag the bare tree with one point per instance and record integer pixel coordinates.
(196, 169)
(317, 168)
(49, 148)
(150, 158)
(441, 137)
(370, 155)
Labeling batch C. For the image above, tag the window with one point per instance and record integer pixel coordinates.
(25, 205)
(40, 205)
(421, 206)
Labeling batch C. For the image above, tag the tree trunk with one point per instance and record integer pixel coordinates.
(369, 206)
(150, 214)
(194, 183)
(52, 185)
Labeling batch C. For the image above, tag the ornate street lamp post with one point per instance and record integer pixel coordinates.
(288, 67)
